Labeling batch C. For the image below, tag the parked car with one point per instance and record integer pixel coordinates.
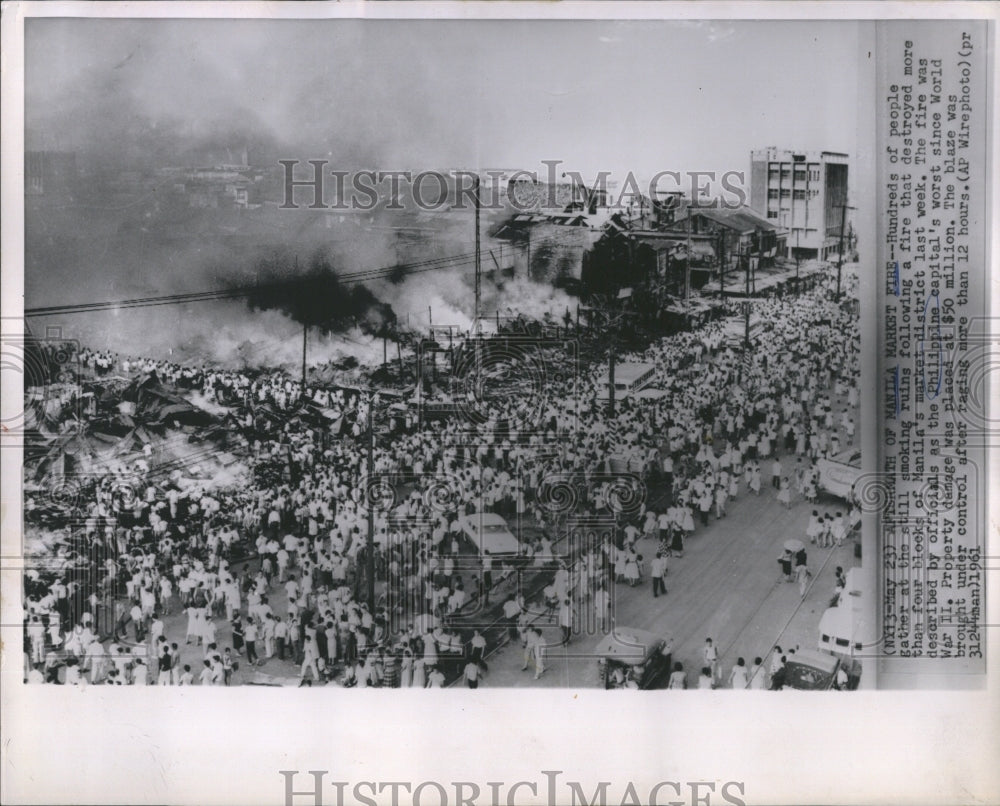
(634, 658)
(810, 670)
(488, 531)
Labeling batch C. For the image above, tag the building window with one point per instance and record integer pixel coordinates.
(772, 193)
(799, 194)
(772, 213)
(785, 193)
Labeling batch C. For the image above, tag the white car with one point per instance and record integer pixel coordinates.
(489, 532)
(838, 474)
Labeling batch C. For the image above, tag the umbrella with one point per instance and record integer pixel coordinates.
(794, 545)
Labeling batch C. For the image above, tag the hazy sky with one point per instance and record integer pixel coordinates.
(642, 96)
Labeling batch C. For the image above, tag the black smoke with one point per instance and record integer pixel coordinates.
(315, 296)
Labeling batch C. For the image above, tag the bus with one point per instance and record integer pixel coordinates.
(734, 329)
(630, 377)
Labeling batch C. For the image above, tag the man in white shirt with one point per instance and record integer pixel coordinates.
(472, 673)
(657, 571)
(711, 657)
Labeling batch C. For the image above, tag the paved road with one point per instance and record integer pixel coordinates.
(727, 586)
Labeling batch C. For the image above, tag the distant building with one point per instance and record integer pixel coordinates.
(801, 192)
(743, 233)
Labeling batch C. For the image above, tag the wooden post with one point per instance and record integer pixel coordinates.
(687, 262)
(305, 331)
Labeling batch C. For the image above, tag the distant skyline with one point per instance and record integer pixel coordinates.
(597, 95)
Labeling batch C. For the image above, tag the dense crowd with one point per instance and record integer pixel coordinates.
(276, 567)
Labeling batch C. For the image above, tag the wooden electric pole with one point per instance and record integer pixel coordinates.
(722, 263)
(370, 554)
(687, 262)
(305, 331)
(797, 233)
(840, 250)
(745, 257)
(479, 268)
(611, 379)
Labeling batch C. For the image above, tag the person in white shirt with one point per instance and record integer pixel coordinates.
(738, 676)
(472, 673)
(758, 678)
(657, 571)
(711, 656)
(705, 678)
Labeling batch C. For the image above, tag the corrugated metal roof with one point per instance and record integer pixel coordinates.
(744, 220)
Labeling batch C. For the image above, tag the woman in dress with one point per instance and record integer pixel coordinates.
(632, 569)
(678, 680)
(390, 669)
(677, 538)
(721, 494)
(419, 674)
(430, 650)
(813, 529)
(649, 526)
(785, 493)
(406, 668)
(705, 678)
(738, 676)
(621, 557)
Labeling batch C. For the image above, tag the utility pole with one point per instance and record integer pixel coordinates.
(759, 240)
(305, 331)
(722, 263)
(477, 324)
(745, 257)
(797, 233)
(528, 231)
(370, 554)
(611, 378)
(840, 251)
(479, 268)
(687, 262)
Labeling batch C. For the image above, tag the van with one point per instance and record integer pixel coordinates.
(838, 474)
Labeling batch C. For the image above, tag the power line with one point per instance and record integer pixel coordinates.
(351, 278)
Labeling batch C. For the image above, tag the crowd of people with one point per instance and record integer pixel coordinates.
(276, 567)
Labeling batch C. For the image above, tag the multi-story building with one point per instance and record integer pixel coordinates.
(802, 192)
